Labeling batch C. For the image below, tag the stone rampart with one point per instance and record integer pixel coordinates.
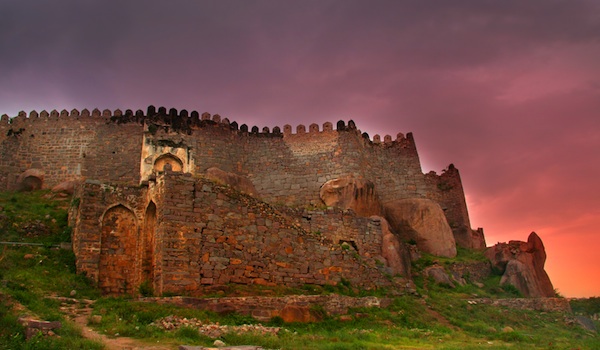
(145, 214)
(447, 190)
(69, 148)
(214, 235)
(183, 233)
(108, 221)
(126, 147)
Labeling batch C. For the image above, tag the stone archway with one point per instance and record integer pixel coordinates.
(149, 233)
(117, 268)
(175, 163)
(30, 183)
(30, 180)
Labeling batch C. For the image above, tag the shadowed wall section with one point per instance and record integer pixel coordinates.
(117, 267)
(149, 233)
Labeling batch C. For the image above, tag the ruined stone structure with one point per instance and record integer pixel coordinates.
(182, 201)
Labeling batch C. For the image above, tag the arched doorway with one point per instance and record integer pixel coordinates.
(148, 248)
(173, 161)
(117, 267)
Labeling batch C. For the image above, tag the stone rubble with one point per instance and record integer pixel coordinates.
(213, 330)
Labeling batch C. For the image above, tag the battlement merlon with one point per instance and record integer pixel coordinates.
(184, 121)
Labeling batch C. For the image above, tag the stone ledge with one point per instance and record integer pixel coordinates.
(33, 327)
(238, 347)
(538, 304)
(265, 308)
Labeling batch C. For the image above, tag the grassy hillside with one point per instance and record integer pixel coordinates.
(32, 277)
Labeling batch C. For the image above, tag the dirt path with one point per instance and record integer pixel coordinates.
(79, 312)
(439, 317)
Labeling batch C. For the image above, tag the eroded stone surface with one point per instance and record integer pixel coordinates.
(522, 265)
(207, 235)
(423, 221)
(66, 187)
(30, 180)
(353, 193)
(395, 252)
(237, 182)
(439, 276)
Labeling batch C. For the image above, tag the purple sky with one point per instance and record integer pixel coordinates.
(508, 91)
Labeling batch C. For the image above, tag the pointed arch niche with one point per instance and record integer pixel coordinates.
(158, 151)
(149, 234)
(117, 267)
(160, 163)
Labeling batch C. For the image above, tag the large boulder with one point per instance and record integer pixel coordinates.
(238, 182)
(67, 187)
(522, 265)
(422, 221)
(395, 252)
(348, 192)
(439, 276)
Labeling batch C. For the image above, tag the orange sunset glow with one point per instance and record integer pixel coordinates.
(507, 91)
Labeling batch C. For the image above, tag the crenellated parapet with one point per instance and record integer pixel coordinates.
(105, 144)
(183, 121)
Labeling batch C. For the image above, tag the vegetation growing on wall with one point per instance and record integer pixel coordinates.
(31, 277)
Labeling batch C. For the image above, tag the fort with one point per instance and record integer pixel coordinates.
(184, 201)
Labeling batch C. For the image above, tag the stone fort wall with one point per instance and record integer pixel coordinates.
(286, 167)
(69, 147)
(182, 234)
(137, 221)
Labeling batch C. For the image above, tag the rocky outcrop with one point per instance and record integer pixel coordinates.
(237, 182)
(65, 187)
(348, 192)
(522, 265)
(395, 252)
(539, 304)
(423, 221)
(439, 276)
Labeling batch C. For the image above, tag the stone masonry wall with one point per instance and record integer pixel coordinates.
(290, 168)
(96, 242)
(447, 190)
(539, 304)
(265, 308)
(69, 147)
(207, 235)
(214, 235)
(200, 234)
(299, 164)
(285, 167)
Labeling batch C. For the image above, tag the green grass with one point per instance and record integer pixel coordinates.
(588, 306)
(33, 217)
(441, 320)
(463, 255)
(28, 274)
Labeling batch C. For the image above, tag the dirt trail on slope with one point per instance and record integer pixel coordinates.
(79, 312)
